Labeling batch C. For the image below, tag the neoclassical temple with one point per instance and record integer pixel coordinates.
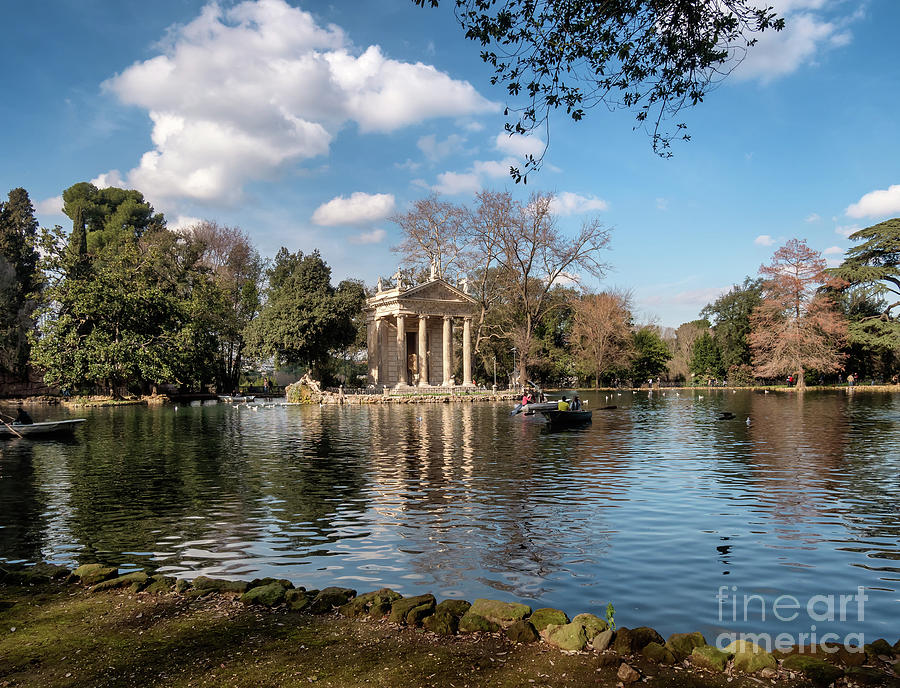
(410, 333)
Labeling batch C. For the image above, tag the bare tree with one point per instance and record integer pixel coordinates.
(796, 327)
(434, 232)
(601, 335)
(531, 255)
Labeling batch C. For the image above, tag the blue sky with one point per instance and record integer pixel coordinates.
(309, 123)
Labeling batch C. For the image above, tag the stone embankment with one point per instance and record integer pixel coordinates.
(633, 654)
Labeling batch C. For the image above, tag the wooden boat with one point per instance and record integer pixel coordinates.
(55, 427)
(567, 419)
(536, 407)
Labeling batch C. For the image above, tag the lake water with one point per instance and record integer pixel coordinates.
(655, 506)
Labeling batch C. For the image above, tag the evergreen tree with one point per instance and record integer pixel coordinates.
(19, 280)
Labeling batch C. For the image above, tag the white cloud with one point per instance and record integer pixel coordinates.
(452, 183)
(764, 240)
(518, 145)
(50, 206)
(240, 92)
(568, 203)
(814, 217)
(359, 208)
(408, 165)
(471, 181)
(182, 222)
(376, 236)
(435, 149)
(877, 203)
(777, 54)
(846, 230)
(662, 203)
(108, 179)
(833, 250)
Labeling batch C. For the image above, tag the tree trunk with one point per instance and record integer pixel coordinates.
(801, 381)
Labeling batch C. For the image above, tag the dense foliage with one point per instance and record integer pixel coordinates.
(652, 57)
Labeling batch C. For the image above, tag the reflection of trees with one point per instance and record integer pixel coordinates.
(797, 447)
(212, 476)
(21, 516)
(477, 495)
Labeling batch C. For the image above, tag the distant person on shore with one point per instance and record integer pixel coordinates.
(22, 417)
(850, 380)
(562, 405)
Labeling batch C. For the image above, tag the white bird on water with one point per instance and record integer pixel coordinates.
(748, 420)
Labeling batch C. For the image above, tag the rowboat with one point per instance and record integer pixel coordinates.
(567, 419)
(537, 407)
(55, 427)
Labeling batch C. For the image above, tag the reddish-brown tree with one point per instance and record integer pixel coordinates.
(601, 333)
(796, 328)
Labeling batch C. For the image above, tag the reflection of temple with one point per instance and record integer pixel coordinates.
(410, 333)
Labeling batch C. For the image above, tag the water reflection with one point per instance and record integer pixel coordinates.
(652, 506)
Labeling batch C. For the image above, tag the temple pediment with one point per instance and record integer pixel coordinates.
(437, 290)
(435, 298)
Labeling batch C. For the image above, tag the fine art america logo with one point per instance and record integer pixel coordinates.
(818, 609)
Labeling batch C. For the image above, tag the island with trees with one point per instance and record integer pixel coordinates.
(121, 305)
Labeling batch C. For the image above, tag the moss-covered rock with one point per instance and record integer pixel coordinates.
(475, 623)
(522, 632)
(266, 595)
(412, 610)
(709, 657)
(570, 636)
(362, 605)
(331, 598)
(820, 672)
(139, 577)
(879, 648)
(91, 574)
(632, 640)
(453, 607)
(501, 613)
(296, 599)
(750, 658)
(682, 644)
(602, 641)
(441, 623)
(160, 584)
(219, 585)
(592, 624)
(541, 618)
(657, 653)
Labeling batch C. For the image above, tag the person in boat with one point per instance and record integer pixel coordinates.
(562, 405)
(22, 417)
(576, 404)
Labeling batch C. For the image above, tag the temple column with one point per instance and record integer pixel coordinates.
(401, 350)
(467, 353)
(423, 351)
(447, 354)
(375, 353)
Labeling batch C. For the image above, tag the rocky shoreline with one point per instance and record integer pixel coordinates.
(623, 655)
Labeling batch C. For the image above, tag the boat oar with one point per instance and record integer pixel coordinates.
(12, 429)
